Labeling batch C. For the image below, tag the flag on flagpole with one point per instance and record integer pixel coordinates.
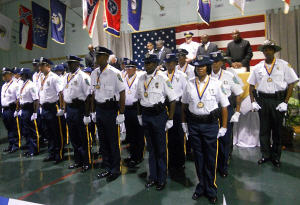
(134, 14)
(90, 11)
(204, 10)
(240, 4)
(112, 21)
(58, 21)
(286, 6)
(25, 29)
(5, 32)
(40, 20)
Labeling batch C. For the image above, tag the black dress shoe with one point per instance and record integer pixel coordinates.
(103, 175)
(139, 161)
(12, 151)
(224, 175)
(75, 166)
(161, 186)
(31, 155)
(150, 184)
(276, 162)
(26, 154)
(213, 200)
(55, 162)
(263, 160)
(128, 159)
(196, 196)
(112, 177)
(48, 159)
(6, 149)
(85, 169)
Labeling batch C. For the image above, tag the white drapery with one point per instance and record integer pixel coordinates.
(122, 47)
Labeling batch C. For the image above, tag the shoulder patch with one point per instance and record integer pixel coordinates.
(58, 81)
(87, 81)
(169, 84)
(235, 80)
(120, 78)
(33, 90)
(223, 89)
(289, 65)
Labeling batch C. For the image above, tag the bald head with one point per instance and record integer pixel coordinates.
(204, 39)
(91, 48)
(236, 35)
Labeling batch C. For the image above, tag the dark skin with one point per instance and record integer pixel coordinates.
(204, 39)
(150, 46)
(91, 48)
(150, 68)
(236, 36)
(36, 67)
(181, 60)
(171, 66)
(202, 73)
(269, 53)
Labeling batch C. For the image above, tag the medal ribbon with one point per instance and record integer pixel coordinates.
(43, 81)
(124, 74)
(219, 75)
(172, 75)
(185, 67)
(146, 85)
(130, 83)
(269, 70)
(98, 79)
(37, 76)
(10, 82)
(72, 76)
(27, 81)
(201, 93)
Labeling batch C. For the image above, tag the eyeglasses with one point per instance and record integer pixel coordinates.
(128, 68)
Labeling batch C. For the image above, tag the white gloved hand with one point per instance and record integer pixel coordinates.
(41, 109)
(65, 115)
(60, 112)
(140, 119)
(20, 112)
(282, 107)
(235, 117)
(16, 114)
(222, 132)
(185, 127)
(169, 124)
(33, 116)
(94, 117)
(255, 106)
(86, 120)
(120, 119)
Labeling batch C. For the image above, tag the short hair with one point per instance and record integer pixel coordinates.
(149, 42)
(208, 69)
(161, 42)
(111, 57)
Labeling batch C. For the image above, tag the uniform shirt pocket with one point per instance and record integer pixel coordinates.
(210, 101)
(108, 91)
(155, 96)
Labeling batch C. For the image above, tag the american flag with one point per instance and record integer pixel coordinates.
(140, 40)
(90, 11)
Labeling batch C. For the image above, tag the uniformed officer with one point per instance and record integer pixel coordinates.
(134, 131)
(28, 102)
(8, 101)
(50, 86)
(175, 134)
(232, 89)
(77, 96)
(183, 66)
(152, 90)
(37, 72)
(108, 88)
(190, 45)
(17, 76)
(123, 66)
(200, 100)
(275, 79)
(88, 71)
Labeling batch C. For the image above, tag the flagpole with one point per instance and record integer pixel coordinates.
(75, 12)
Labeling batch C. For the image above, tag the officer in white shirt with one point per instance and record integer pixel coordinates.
(152, 90)
(200, 115)
(108, 103)
(8, 101)
(183, 66)
(134, 131)
(17, 75)
(28, 102)
(275, 79)
(77, 97)
(233, 89)
(175, 134)
(123, 70)
(37, 72)
(190, 45)
(50, 86)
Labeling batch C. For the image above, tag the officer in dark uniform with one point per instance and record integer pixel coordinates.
(152, 90)
(200, 111)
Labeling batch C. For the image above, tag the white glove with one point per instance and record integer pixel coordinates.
(140, 119)
(60, 112)
(65, 115)
(94, 117)
(86, 120)
(222, 132)
(282, 107)
(120, 119)
(33, 116)
(235, 117)
(20, 112)
(169, 124)
(255, 106)
(185, 127)
(41, 109)
(16, 114)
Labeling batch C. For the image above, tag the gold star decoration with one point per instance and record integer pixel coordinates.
(162, 8)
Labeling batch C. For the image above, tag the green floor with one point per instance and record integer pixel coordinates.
(32, 180)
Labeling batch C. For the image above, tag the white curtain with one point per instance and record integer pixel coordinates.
(122, 47)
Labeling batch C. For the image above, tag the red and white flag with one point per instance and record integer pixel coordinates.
(251, 28)
(25, 30)
(286, 6)
(90, 11)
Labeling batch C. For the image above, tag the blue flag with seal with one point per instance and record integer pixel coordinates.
(40, 19)
(134, 14)
(204, 10)
(58, 21)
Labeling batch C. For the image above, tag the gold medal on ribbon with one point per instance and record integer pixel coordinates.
(67, 86)
(129, 92)
(20, 96)
(145, 94)
(269, 80)
(97, 86)
(41, 88)
(200, 105)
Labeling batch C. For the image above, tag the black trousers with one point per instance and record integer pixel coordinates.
(10, 124)
(270, 120)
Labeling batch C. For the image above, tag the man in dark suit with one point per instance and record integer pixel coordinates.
(207, 47)
(161, 53)
(89, 58)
